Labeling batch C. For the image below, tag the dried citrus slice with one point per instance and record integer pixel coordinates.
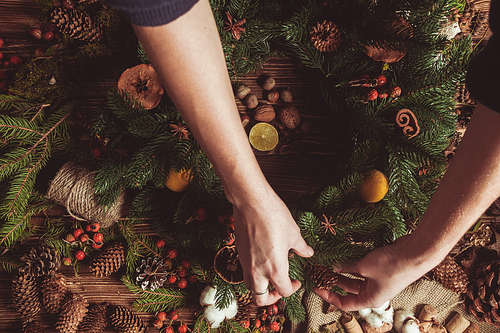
(263, 136)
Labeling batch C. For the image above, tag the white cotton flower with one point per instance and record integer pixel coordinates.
(411, 326)
(208, 296)
(374, 320)
(231, 310)
(365, 312)
(400, 317)
(388, 315)
(214, 316)
(382, 309)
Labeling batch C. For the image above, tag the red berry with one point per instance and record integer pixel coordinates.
(272, 310)
(97, 237)
(2, 43)
(263, 316)
(158, 323)
(257, 323)
(182, 272)
(6, 64)
(172, 279)
(84, 238)
(77, 232)
(87, 228)
(192, 279)
(169, 330)
(274, 326)
(36, 33)
(394, 92)
(96, 152)
(160, 243)
(79, 255)
(162, 316)
(182, 328)
(383, 94)
(172, 253)
(48, 35)
(173, 315)
(97, 245)
(201, 214)
(182, 283)
(67, 261)
(94, 227)
(70, 238)
(246, 324)
(381, 80)
(372, 94)
(185, 263)
(1, 55)
(68, 4)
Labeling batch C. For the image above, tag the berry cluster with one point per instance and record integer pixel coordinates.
(83, 238)
(377, 87)
(168, 321)
(271, 319)
(7, 63)
(179, 270)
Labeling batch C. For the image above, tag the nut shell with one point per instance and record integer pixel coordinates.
(272, 96)
(264, 113)
(251, 101)
(290, 116)
(268, 83)
(242, 91)
(286, 96)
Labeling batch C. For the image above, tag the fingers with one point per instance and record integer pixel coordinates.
(350, 302)
(352, 286)
(302, 249)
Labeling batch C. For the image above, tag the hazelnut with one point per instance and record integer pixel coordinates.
(242, 91)
(286, 96)
(251, 101)
(290, 116)
(268, 83)
(272, 96)
(264, 113)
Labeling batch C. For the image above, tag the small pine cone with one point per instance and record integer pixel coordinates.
(325, 36)
(244, 302)
(322, 277)
(33, 327)
(108, 261)
(96, 319)
(54, 292)
(152, 273)
(76, 24)
(41, 260)
(72, 313)
(26, 295)
(125, 321)
(451, 276)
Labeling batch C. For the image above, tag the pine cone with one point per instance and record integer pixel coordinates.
(72, 313)
(483, 293)
(244, 302)
(152, 273)
(322, 277)
(96, 319)
(26, 295)
(125, 321)
(33, 327)
(325, 36)
(41, 260)
(54, 292)
(109, 261)
(451, 276)
(76, 24)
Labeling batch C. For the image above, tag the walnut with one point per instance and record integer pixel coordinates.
(264, 113)
(290, 116)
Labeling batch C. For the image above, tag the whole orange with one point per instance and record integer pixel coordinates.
(375, 186)
(178, 181)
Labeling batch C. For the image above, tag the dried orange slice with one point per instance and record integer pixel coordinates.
(263, 136)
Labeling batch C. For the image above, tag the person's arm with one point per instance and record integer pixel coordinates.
(470, 185)
(188, 56)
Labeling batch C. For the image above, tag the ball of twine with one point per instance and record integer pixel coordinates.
(73, 188)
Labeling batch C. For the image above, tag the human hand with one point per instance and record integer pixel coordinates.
(265, 232)
(386, 272)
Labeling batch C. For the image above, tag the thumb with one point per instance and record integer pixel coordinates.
(302, 249)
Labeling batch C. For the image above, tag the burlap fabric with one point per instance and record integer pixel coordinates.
(413, 298)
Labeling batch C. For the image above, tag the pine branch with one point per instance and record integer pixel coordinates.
(232, 326)
(10, 264)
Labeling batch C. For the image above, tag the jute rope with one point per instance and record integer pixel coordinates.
(73, 188)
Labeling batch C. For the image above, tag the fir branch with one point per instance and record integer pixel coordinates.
(201, 325)
(224, 295)
(8, 102)
(293, 307)
(10, 264)
(232, 326)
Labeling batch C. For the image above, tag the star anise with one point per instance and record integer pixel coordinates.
(327, 225)
(235, 27)
(180, 131)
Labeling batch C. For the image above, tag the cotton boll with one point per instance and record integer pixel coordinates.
(231, 310)
(400, 317)
(388, 315)
(411, 326)
(208, 296)
(381, 309)
(214, 316)
(364, 312)
(374, 320)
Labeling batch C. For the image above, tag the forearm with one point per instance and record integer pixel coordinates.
(470, 185)
(191, 65)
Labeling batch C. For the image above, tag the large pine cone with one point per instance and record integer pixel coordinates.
(26, 295)
(125, 321)
(325, 36)
(109, 261)
(41, 260)
(152, 273)
(72, 313)
(322, 277)
(33, 327)
(451, 276)
(244, 307)
(54, 292)
(76, 24)
(483, 293)
(96, 319)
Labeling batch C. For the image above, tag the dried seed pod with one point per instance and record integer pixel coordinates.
(251, 101)
(264, 113)
(242, 91)
(290, 116)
